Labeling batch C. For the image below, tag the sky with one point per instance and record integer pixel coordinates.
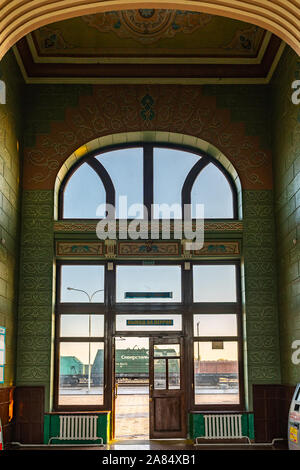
(211, 283)
(85, 192)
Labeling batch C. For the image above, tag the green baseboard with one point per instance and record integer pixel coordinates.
(52, 426)
(197, 427)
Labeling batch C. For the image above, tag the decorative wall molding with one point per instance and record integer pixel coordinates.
(143, 249)
(116, 70)
(64, 226)
(219, 248)
(148, 248)
(76, 249)
(194, 116)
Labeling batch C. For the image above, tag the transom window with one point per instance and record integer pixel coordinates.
(143, 181)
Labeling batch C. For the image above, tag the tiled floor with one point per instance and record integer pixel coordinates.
(148, 445)
(179, 444)
(132, 417)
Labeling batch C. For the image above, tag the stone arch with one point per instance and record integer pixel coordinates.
(20, 17)
(146, 136)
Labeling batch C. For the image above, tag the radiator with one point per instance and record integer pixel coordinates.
(77, 428)
(219, 426)
(222, 426)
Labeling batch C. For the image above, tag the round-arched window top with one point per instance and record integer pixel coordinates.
(148, 181)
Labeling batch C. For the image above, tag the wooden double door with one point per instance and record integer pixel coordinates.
(167, 400)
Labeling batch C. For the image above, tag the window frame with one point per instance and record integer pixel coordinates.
(157, 305)
(187, 308)
(148, 174)
(220, 308)
(78, 308)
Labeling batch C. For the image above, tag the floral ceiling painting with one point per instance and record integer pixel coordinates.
(149, 31)
(156, 44)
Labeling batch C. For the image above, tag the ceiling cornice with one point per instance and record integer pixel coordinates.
(174, 71)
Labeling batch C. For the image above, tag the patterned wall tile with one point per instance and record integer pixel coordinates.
(11, 130)
(286, 150)
(261, 313)
(36, 291)
(103, 110)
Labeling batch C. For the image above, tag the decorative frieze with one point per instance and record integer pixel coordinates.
(148, 248)
(218, 248)
(76, 249)
(63, 226)
(144, 249)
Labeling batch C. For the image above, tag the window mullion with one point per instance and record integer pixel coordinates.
(148, 179)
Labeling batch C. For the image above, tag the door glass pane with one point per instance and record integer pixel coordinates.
(125, 167)
(174, 374)
(212, 189)
(214, 283)
(160, 374)
(166, 350)
(82, 325)
(215, 325)
(216, 373)
(81, 367)
(132, 362)
(82, 283)
(148, 322)
(181, 163)
(148, 284)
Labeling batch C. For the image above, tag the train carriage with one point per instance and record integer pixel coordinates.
(132, 365)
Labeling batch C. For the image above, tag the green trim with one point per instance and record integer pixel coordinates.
(51, 429)
(197, 427)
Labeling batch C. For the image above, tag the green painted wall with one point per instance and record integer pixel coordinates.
(286, 153)
(35, 318)
(248, 104)
(260, 290)
(46, 104)
(10, 171)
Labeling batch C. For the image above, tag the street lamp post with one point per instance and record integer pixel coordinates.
(198, 344)
(90, 297)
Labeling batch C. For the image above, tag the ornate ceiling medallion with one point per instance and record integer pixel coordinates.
(148, 25)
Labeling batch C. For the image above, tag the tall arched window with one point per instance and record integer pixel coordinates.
(197, 301)
(160, 178)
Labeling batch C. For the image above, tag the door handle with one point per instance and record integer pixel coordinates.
(116, 390)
